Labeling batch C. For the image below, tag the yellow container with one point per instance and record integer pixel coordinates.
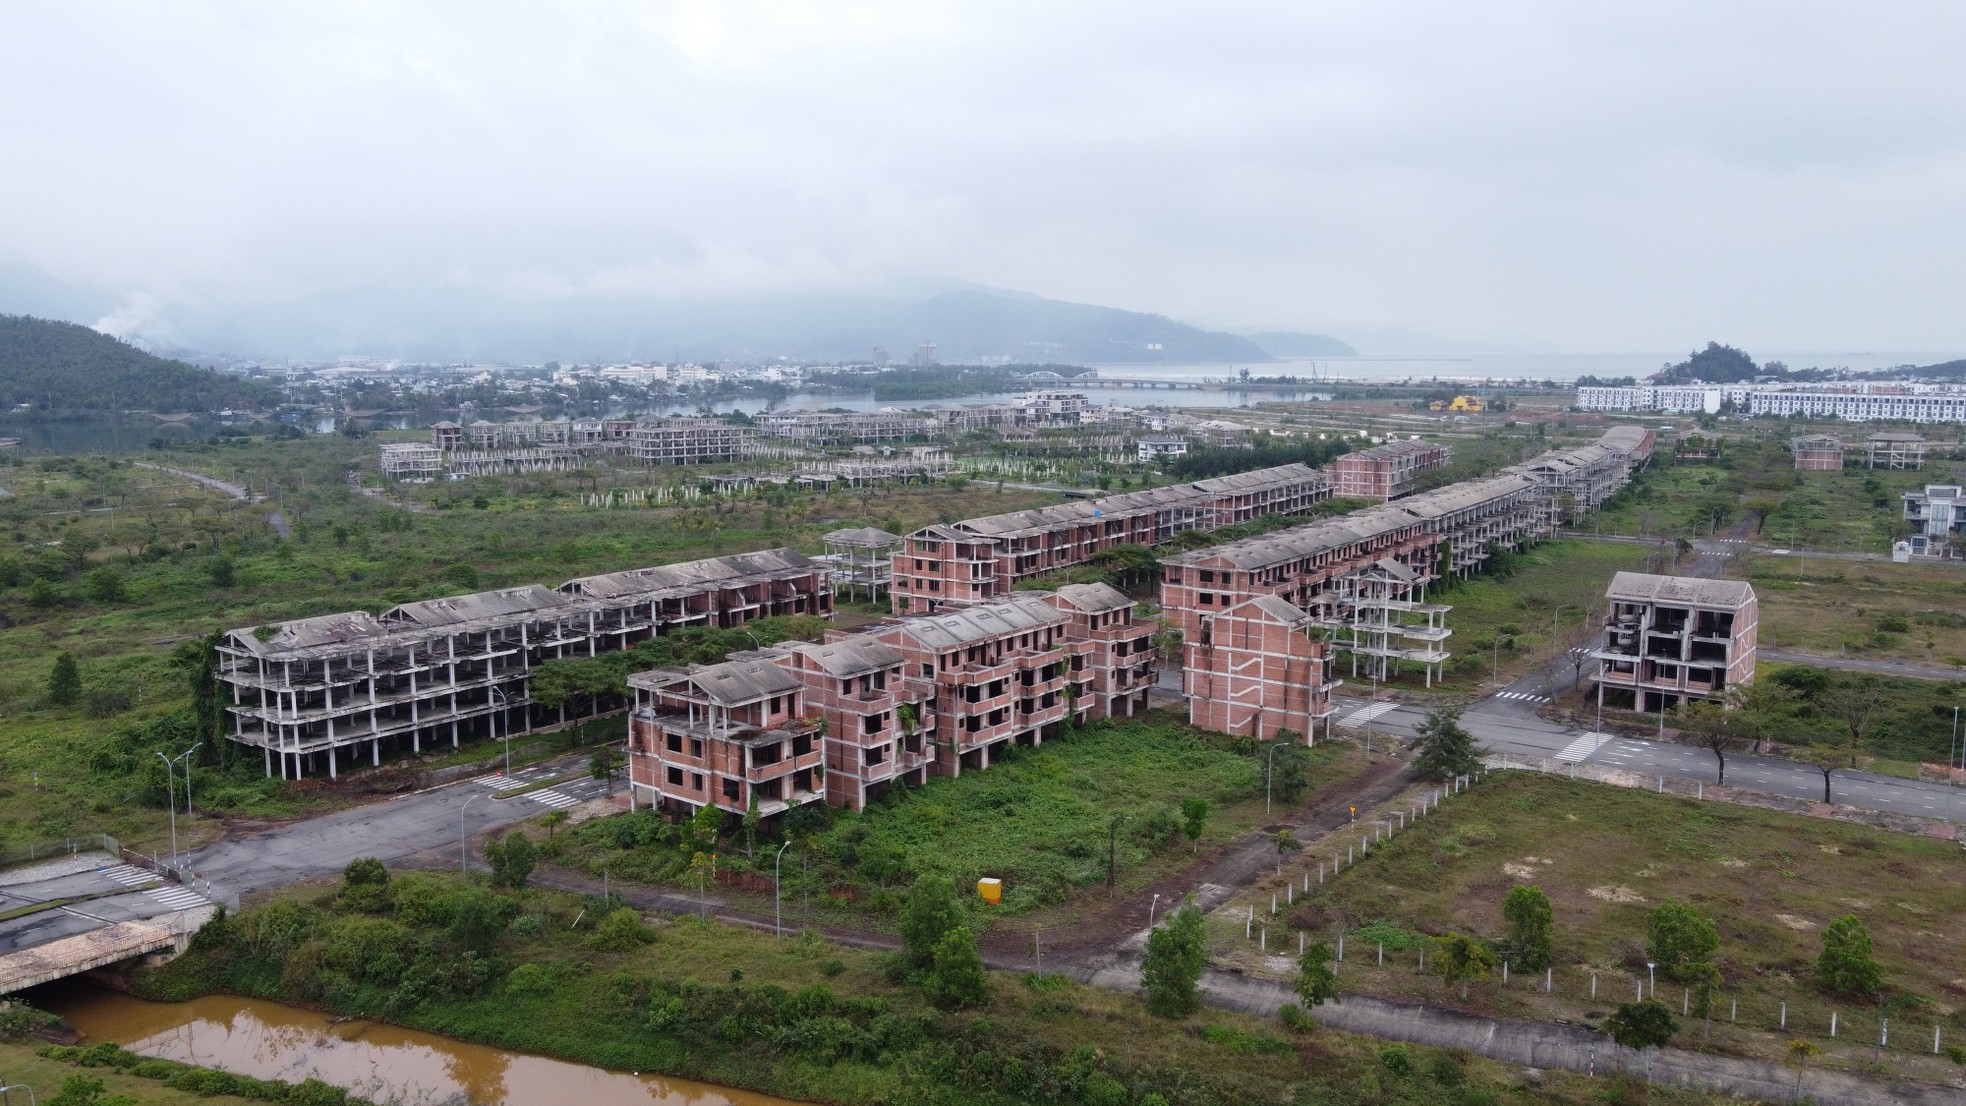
(990, 890)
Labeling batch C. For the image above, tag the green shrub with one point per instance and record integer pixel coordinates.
(527, 981)
(622, 930)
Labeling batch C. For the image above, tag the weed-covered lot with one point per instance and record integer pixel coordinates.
(1607, 857)
(1912, 612)
(1041, 820)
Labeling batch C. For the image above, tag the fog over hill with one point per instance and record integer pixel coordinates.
(434, 321)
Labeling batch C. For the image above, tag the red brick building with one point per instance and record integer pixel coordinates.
(982, 559)
(1259, 667)
(1817, 453)
(1387, 471)
(724, 734)
(880, 721)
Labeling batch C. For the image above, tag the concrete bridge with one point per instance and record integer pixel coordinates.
(89, 910)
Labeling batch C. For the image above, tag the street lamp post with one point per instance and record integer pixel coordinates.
(1150, 911)
(463, 858)
(504, 705)
(6, 1087)
(170, 788)
(777, 897)
(170, 796)
(1652, 975)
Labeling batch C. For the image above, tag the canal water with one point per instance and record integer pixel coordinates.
(378, 1061)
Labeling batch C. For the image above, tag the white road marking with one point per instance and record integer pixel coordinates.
(554, 799)
(177, 898)
(1363, 715)
(1584, 746)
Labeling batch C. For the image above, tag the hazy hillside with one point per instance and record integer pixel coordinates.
(62, 368)
(1288, 343)
(971, 325)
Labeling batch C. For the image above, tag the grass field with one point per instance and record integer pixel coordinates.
(1039, 821)
(1607, 856)
(1911, 612)
(186, 561)
(1508, 619)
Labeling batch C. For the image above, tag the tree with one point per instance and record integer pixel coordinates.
(222, 572)
(64, 682)
(365, 871)
(1645, 1024)
(1529, 914)
(553, 820)
(1459, 958)
(1846, 966)
(751, 822)
(1446, 750)
(1194, 819)
(1316, 983)
(1681, 941)
(929, 913)
(1286, 843)
(1799, 1055)
(1855, 706)
(605, 765)
(704, 826)
(1175, 958)
(955, 976)
(1713, 725)
(104, 584)
(1290, 766)
(520, 858)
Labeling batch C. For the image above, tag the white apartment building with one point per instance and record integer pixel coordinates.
(1862, 406)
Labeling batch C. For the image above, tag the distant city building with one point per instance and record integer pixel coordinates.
(1860, 401)
(924, 355)
(1155, 448)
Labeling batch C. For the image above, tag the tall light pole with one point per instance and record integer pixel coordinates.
(463, 858)
(503, 705)
(777, 911)
(1150, 911)
(170, 796)
(170, 788)
(186, 758)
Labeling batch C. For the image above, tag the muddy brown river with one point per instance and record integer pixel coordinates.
(378, 1061)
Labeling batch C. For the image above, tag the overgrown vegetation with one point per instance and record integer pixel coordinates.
(796, 1017)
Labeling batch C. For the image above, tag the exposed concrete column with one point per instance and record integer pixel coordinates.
(375, 752)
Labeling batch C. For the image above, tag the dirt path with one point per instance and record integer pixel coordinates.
(1212, 879)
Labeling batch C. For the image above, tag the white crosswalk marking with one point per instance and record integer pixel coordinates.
(1584, 746)
(130, 875)
(177, 898)
(1363, 715)
(1523, 696)
(555, 799)
(493, 780)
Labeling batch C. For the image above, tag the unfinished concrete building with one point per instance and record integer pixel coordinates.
(1668, 639)
(312, 692)
(1385, 472)
(1257, 668)
(1890, 450)
(1360, 579)
(687, 441)
(735, 735)
(861, 560)
(1817, 453)
(413, 462)
(514, 459)
(880, 721)
(980, 559)
(835, 428)
(446, 435)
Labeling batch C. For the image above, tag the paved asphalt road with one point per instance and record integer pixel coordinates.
(1508, 724)
(394, 830)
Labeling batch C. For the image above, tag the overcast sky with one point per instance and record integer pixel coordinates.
(1578, 176)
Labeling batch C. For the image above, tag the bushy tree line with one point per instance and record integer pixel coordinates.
(63, 368)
